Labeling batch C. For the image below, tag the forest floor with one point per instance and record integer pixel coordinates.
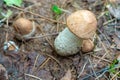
(37, 58)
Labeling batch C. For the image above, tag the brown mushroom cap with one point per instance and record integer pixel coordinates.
(23, 26)
(82, 23)
(87, 45)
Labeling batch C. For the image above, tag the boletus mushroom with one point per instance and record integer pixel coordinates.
(87, 45)
(81, 25)
(24, 28)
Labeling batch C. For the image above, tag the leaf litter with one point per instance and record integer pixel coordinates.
(36, 58)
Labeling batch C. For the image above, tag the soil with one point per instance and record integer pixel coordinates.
(37, 58)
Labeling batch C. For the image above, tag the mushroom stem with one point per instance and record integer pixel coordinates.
(67, 43)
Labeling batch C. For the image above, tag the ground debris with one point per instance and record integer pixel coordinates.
(67, 76)
(3, 73)
(37, 59)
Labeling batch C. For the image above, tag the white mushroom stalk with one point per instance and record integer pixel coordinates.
(67, 43)
(81, 25)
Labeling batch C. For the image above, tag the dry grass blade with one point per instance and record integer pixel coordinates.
(100, 58)
(82, 69)
(47, 39)
(33, 76)
(92, 67)
(45, 35)
(35, 62)
(44, 63)
(106, 51)
(54, 59)
(114, 76)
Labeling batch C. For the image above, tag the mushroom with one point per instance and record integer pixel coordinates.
(87, 45)
(24, 28)
(81, 25)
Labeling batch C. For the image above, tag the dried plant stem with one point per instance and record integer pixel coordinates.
(109, 21)
(54, 59)
(47, 39)
(115, 75)
(92, 67)
(82, 69)
(44, 62)
(100, 58)
(58, 24)
(35, 62)
(106, 51)
(37, 15)
(33, 76)
(45, 35)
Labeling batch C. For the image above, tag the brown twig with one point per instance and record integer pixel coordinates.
(42, 36)
(114, 76)
(83, 68)
(37, 15)
(100, 58)
(53, 58)
(92, 67)
(35, 63)
(33, 76)
(47, 39)
(106, 51)
(41, 66)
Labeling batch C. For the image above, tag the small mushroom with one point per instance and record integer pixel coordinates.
(87, 45)
(24, 28)
(81, 25)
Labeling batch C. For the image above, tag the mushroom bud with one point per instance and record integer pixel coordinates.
(24, 28)
(87, 45)
(81, 25)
